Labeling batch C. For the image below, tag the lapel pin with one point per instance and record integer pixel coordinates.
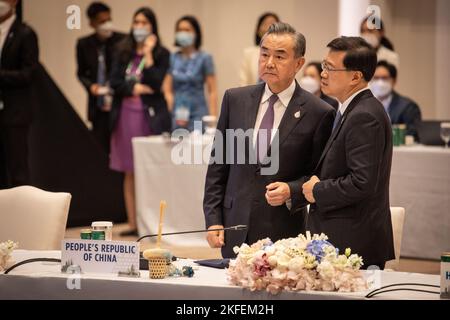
(297, 114)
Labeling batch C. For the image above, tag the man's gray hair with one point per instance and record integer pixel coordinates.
(285, 28)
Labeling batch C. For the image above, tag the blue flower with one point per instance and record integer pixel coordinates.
(316, 248)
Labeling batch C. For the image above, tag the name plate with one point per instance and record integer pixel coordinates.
(95, 256)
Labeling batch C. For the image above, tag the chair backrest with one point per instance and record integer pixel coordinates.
(34, 218)
(398, 218)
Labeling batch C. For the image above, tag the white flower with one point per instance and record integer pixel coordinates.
(273, 261)
(326, 270)
(6, 248)
(287, 265)
(296, 264)
(354, 261)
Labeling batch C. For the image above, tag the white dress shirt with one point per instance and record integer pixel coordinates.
(4, 30)
(279, 108)
(346, 103)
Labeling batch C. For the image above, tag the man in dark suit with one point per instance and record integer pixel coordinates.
(401, 110)
(94, 57)
(281, 130)
(18, 60)
(350, 195)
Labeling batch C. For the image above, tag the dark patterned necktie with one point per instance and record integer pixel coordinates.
(265, 130)
(337, 120)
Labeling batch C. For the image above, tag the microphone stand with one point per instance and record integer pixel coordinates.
(236, 228)
(143, 263)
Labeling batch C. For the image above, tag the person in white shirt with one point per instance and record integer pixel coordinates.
(248, 73)
(281, 125)
(375, 36)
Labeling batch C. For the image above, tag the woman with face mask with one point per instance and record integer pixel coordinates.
(373, 32)
(190, 69)
(248, 73)
(139, 107)
(311, 83)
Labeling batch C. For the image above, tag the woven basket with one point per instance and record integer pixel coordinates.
(157, 268)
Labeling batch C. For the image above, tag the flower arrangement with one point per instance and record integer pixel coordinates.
(6, 248)
(301, 263)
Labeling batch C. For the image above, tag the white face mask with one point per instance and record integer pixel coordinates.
(380, 88)
(371, 39)
(140, 34)
(105, 30)
(5, 8)
(310, 84)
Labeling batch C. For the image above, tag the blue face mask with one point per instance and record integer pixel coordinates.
(140, 34)
(184, 39)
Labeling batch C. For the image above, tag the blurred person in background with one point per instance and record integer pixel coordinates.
(401, 110)
(94, 56)
(248, 74)
(190, 70)
(19, 58)
(376, 38)
(139, 107)
(311, 83)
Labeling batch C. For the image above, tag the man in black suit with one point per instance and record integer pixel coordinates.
(281, 130)
(350, 195)
(401, 110)
(94, 57)
(18, 60)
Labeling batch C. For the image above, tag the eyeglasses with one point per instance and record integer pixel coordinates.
(327, 68)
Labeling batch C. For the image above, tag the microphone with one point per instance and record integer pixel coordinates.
(143, 263)
(234, 228)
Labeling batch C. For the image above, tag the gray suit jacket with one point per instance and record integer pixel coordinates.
(235, 193)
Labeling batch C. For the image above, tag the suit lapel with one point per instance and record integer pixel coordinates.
(292, 115)
(253, 106)
(336, 131)
(11, 34)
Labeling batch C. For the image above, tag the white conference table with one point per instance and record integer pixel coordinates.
(40, 280)
(420, 182)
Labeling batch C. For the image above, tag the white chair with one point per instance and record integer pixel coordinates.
(34, 218)
(398, 218)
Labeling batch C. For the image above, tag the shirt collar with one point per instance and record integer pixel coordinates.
(347, 102)
(6, 25)
(284, 96)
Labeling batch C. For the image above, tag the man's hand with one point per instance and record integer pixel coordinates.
(308, 188)
(94, 89)
(215, 238)
(140, 89)
(277, 193)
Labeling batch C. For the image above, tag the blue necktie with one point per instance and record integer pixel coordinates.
(265, 130)
(101, 75)
(337, 120)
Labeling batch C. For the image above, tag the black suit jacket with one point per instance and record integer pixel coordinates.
(87, 60)
(404, 110)
(352, 198)
(235, 193)
(155, 103)
(19, 59)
